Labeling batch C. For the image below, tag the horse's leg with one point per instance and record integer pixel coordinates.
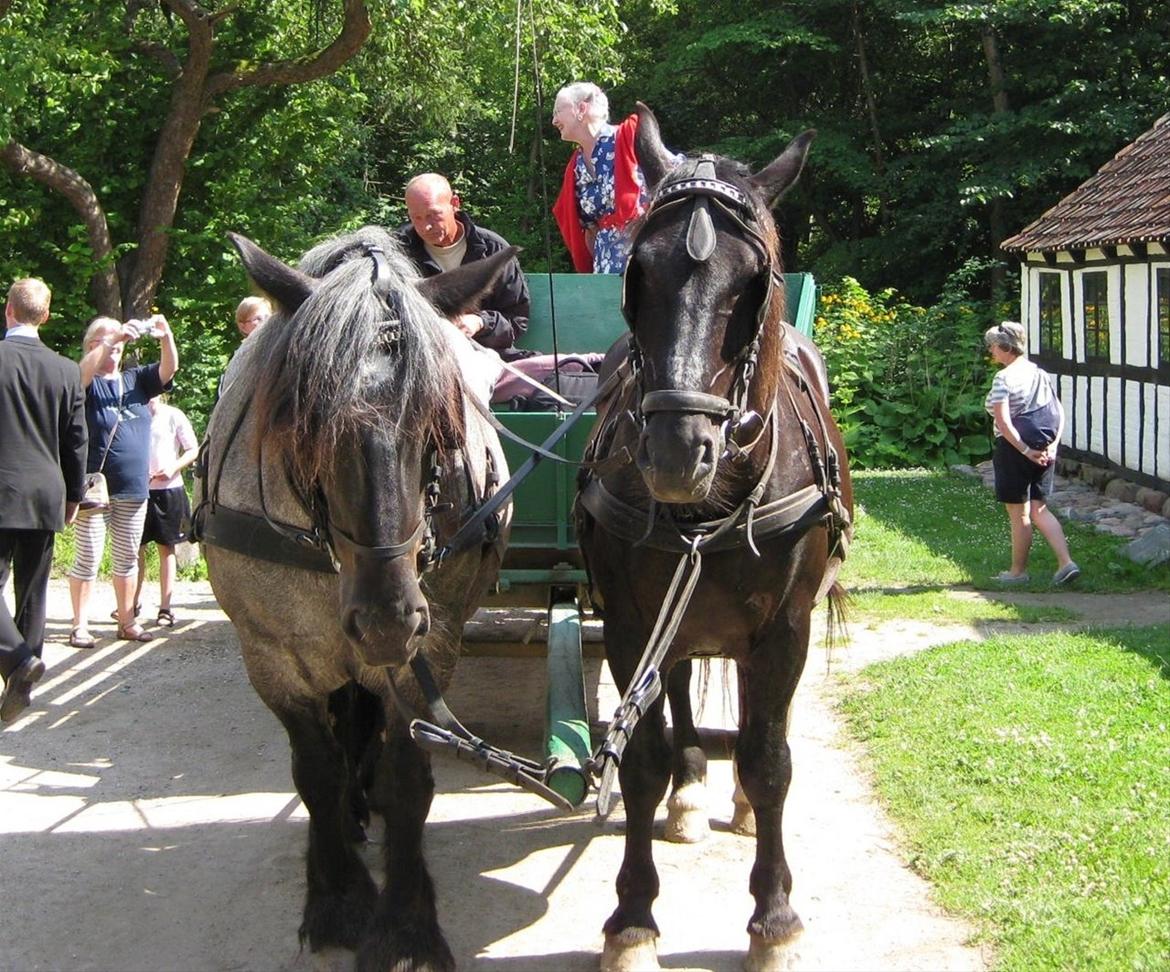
(686, 810)
(340, 893)
(404, 933)
(630, 932)
(765, 771)
(743, 819)
(356, 715)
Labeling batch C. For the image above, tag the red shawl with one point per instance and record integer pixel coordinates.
(625, 197)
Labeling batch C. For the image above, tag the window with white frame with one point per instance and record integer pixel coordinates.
(1163, 310)
(1051, 329)
(1095, 313)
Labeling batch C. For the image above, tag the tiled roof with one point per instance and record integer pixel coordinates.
(1127, 201)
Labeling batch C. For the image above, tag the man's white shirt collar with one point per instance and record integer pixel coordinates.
(23, 330)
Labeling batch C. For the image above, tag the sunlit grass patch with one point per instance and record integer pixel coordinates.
(1031, 778)
(942, 606)
(923, 528)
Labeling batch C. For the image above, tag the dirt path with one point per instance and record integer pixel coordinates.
(147, 821)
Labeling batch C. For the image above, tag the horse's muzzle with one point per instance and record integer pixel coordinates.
(677, 456)
(383, 616)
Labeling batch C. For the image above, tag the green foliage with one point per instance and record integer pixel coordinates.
(935, 530)
(914, 162)
(1030, 777)
(908, 382)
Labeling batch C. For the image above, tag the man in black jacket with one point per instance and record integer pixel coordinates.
(42, 476)
(439, 237)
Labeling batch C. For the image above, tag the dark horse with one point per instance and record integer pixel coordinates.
(341, 455)
(737, 482)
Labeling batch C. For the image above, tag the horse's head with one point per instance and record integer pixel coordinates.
(357, 393)
(703, 297)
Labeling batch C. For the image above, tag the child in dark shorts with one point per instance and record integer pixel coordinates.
(173, 447)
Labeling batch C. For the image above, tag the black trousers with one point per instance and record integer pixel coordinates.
(28, 555)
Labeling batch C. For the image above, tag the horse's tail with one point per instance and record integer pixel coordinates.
(837, 605)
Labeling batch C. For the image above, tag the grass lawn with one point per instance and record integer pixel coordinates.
(1031, 779)
(938, 530)
(877, 606)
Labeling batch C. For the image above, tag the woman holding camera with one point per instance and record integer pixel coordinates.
(119, 448)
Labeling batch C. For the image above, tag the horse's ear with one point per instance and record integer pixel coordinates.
(459, 291)
(653, 157)
(287, 287)
(777, 177)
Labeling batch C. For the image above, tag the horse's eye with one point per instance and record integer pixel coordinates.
(389, 336)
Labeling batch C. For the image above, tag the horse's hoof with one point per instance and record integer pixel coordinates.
(771, 956)
(631, 950)
(686, 815)
(743, 820)
(332, 960)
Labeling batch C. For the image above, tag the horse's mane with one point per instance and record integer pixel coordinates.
(346, 360)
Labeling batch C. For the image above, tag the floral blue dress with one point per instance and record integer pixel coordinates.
(595, 201)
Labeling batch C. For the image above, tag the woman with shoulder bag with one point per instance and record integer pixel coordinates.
(1029, 420)
(119, 447)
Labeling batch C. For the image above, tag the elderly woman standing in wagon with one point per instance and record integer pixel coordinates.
(119, 447)
(1029, 420)
(603, 189)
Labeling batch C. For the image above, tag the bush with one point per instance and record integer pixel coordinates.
(907, 382)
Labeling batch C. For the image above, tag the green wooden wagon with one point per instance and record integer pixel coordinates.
(543, 566)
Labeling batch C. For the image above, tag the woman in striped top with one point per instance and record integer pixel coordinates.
(1024, 472)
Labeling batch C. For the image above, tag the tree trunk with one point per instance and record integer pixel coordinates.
(1000, 106)
(160, 198)
(60, 178)
(879, 155)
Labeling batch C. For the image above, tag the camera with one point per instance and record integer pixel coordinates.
(142, 328)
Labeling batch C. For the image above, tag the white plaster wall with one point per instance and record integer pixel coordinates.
(1138, 294)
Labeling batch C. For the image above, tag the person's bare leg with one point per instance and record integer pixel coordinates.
(141, 574)
(124, 594)
(167, 568)
(79, 591)
(1021, 527)
(1050, 528)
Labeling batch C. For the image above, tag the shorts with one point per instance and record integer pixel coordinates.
(1017, 478)
(168, 517)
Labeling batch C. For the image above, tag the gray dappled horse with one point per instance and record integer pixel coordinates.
(734, 481)
(344, 439)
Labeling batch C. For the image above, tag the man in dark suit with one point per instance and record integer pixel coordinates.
(42, 476)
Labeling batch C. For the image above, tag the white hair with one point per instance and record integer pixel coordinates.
(588, 92)
(1010, 335)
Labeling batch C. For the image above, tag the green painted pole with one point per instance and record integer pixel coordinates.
(567, 743)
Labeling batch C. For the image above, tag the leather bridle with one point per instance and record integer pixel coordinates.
(701, 189)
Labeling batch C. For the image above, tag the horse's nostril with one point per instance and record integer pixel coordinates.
(708, 452)
(351, 626)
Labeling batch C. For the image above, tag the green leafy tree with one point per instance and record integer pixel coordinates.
(157, 71)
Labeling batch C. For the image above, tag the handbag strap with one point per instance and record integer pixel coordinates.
(117, 422)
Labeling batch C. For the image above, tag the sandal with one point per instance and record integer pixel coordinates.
(80, 638)
(166, 618)
(137, 611)
(134, 633)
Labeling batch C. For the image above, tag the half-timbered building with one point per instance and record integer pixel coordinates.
(1095, 298)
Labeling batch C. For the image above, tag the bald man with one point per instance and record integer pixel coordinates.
(441, 237)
